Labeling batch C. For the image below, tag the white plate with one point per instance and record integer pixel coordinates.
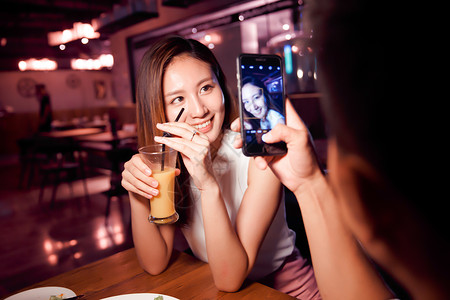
(141, 296)
(42, 293)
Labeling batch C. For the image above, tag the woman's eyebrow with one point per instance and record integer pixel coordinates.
(173, 93)
(258, 93)
(179, 91)
(200, 82)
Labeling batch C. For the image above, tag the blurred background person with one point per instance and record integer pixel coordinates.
(45, 109)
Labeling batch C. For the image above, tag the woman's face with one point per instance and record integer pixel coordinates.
(253, 99)
(190, 83)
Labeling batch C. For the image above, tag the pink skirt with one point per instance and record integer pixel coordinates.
(295, 277)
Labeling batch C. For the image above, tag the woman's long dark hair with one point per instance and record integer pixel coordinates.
(150, 101)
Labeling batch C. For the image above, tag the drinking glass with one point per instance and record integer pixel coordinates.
(162, 161)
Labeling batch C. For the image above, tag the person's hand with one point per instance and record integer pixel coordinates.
(300, 163)
(136, 178)
(195, 150)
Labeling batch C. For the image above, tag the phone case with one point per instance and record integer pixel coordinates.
(263, 103)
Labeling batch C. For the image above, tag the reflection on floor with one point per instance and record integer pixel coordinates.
(38, 242)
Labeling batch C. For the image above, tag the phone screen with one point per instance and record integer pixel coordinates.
(261, 97)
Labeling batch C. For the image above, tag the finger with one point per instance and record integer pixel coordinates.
(188, 148)
(130, 188)
(137, 173)
(236, 125)
(192, 137)
(283, 133)
(140, 170)
(292, 118)
(134, 185)
(137, 163)
(261, 162)
(184, 130)
(238, 142)
(277, 134)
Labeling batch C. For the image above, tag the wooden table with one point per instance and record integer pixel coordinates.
(71, 133)
(108, 137)
(185, 278)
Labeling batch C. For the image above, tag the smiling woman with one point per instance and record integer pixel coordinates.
(150, 78)
(226, 217)
(201, 96)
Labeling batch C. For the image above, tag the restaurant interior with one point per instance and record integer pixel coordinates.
(61, 202)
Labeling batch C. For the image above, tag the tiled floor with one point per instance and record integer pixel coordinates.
(37, 242)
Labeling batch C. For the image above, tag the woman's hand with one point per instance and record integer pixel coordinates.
(300, 163)
(136, 178)
(195, 150)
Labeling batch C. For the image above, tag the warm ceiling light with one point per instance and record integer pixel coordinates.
(66, 35)
(104, 61)
(79, 31)
(33, 64)
(22, 65)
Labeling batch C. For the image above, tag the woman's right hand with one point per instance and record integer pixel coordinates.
(136, 178)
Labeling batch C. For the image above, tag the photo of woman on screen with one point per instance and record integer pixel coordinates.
(258, 105)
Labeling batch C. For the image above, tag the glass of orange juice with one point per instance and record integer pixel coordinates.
(162, 161)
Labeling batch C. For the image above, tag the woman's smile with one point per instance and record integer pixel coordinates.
(256, 111)
(204, 127)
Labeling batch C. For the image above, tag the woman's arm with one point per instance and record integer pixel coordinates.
(153, 243)
(232, 251)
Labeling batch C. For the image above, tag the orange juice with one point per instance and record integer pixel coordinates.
(162, 206)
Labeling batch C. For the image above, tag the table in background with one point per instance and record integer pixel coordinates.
(71, 133)
(38, 147)
(108, 137)
(117, 147)
(185, 278)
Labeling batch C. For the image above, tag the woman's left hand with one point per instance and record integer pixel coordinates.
(195, 150)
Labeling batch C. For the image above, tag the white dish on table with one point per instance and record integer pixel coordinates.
(42, 293)
(140, 296)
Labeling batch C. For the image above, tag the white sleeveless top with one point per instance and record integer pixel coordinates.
(230, 168)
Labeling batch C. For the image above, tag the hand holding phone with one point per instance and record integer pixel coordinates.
(261, 102)
(300, 163)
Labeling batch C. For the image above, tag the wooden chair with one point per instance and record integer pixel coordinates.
(64, 164)
(29, 159)
(117, 156)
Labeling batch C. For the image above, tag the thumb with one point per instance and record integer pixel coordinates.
(280, 133)
(236, 125)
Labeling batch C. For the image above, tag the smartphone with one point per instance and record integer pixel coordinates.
(261, 101)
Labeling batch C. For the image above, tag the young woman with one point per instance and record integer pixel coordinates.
(258, 104)
(232, 213)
